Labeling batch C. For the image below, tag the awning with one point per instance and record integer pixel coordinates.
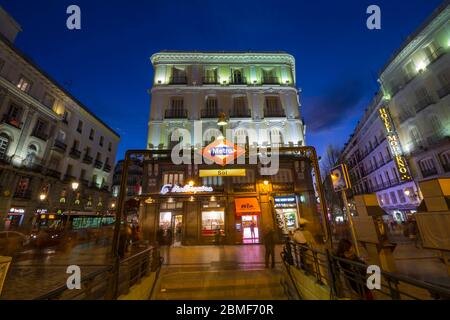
(247, 206)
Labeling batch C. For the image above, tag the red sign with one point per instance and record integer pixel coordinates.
(222, 152)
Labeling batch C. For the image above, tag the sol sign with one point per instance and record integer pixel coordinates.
(394, 144)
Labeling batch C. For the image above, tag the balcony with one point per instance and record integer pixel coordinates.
(40, 134)
(74, 153)
(270, 80)
(12, 121)
(274, 113)
(210, 113)
(87, 159)
(210, 80)
(53, 173)
(429, 172)
(444, 91)
(107, 168)
(423, 103)
(178, 80)
(84, 182)
(175, 114)
(238, 80)
(22, 194)
(98, 164)
(241, 113)
(59, 146)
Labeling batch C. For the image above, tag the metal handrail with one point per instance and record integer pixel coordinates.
(334, 271)
(131, 270)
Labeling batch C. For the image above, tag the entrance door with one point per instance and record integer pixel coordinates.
(177, 227)
(250, 229)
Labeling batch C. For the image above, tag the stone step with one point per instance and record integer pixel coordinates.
(255, 292)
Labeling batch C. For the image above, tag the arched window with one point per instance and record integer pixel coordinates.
(4, 144)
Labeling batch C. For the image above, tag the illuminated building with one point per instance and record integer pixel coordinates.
(48, 139)
(241, 91)
(404, 135)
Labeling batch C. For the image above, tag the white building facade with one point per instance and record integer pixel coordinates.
(48, 140)
(404, 135)
(254, 90)
(416, 83)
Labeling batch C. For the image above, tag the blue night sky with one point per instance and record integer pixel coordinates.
(106, 64)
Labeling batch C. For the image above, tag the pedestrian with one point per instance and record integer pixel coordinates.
(252, 230)
(269, 245)
(169, 236)
(355, 274)
(160, 236)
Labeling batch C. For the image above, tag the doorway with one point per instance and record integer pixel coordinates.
(250, 229)
(177, 227)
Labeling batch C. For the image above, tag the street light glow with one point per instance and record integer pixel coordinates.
(75, 185)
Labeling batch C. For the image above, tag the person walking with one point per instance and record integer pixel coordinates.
(269, 245)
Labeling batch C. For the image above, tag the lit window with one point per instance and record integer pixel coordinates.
(24, 84)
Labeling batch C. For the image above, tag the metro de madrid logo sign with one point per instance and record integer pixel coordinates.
(222, 152)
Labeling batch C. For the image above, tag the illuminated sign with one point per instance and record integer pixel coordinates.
(222, 152)
(41, 211)
(186, 189)
(222, 173)
(17, 210)
(394, 144)
(339, 178)
(289, 199)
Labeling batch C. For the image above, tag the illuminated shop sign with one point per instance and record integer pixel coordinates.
(41, 211)
(288, 199)
(17, 210)
(186, 189)
(394, 144)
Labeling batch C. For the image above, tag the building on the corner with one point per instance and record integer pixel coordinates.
(134, 178)
(48, 140)
(404, 135)
(416, 82)
(196, 202)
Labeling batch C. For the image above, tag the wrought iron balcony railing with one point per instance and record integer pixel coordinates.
(429, 172)
(98, 164)
(87, 159)
(74, 153)
(210, 80)
(40, 135)
(274, 113)
(270, 80)
(424, 102)
(59, 145)
(238, 80)
(241, 113)
(178, 80)
(175, 114)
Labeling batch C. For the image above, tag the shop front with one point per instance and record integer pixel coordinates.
(247, 221)
(14, 218)
(286, 212)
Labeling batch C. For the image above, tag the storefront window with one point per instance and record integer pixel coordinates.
(286, 213)
(165, 219)
(211, 222)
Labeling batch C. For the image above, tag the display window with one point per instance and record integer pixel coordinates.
(213, 221)
(165, 220)
(287, 219)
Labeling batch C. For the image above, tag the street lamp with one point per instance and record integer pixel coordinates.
(75, 185)
(42, 196)
(191, 183)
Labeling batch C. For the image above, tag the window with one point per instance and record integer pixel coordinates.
(107, 161)
(393, 197)
(283, 176)
(109, 146)
(435, 123)
(273, 107)
(75, 145)
(173, 178)
(415, 137)
(430, 52)
(427, 167)
(24, 84)
(212, 181)
(212, 221)
(240, 106)
(269, 76)
(80, 126)
(61, 136)
(2, 63)
(14, 113)
(177, 103)
(23, 185)
(83, 174)
(66, 116)
(88, 151)
(91, 134)
(211, 105)
(410, 69)
(386, 199)
(101, 141)
(401, 196)
(4, 144)
(210, 75)
(445, 159)
(31, 156)
(98, 157)
(48, 100)
(237, 77)
(40, 128)
(178, 75)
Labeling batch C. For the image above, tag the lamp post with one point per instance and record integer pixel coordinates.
(74, 185)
